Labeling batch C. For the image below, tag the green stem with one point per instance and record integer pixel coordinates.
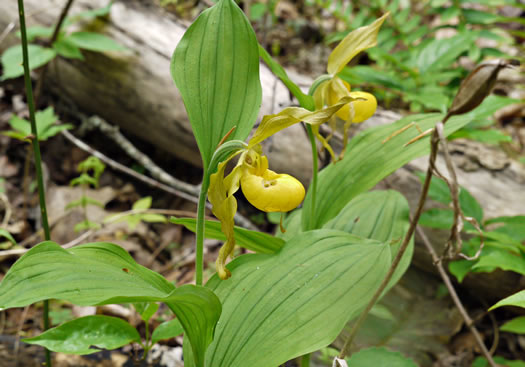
(315, 167)
(36, 149)
(305, 360)
(199, 250)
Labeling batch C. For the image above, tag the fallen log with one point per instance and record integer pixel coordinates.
(135, 90)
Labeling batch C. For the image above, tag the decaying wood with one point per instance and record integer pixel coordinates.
(134, 90)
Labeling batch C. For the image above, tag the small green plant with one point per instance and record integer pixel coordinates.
(139, 212)
(67, 44)
(90, 171)
(45, 122)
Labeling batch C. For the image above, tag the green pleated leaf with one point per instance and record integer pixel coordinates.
(252, 240)
(104, 273)
(87, 335)
(89, 274)
(379, 357)
(367, 161)
(216, 68)
(381, 216)
(277, 307)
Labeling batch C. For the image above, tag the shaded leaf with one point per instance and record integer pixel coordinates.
(167, 330)
(87, 335)
(252, 240)
(93, 42)
(218, 92)
(379, 357)
(516, 325)
(68, 49)
(501, 259)
(272, 303)
(440, 53)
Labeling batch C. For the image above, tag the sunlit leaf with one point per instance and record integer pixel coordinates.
(216, 68)
(277, 307)
(516, 325)
(517, 299)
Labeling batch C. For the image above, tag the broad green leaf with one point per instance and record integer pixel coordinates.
(167, 330)
(252, 240)
(501, 259)
(305, 100)
(381, 216)
(517, 299)
(379, 357)
(87, 335)
(68, 49)
(104, 273)
(366, 162)
(5, 234)
(516, 325)
(473, 16)
(85, 225)
(12, 59)
(355, 42)
(89, 274)
(142, 204)
(277, 307)
(513, 230)
(440, 53)
(216, 68)
(93, 42)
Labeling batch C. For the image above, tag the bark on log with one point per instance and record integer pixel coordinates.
(135, 91)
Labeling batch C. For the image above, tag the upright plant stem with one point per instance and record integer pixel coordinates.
(315, 168)
(36, 149)
(305, 360)
(199, 249)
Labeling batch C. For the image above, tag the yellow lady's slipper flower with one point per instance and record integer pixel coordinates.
(332, 88)
(266, 190)
(269, 191)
